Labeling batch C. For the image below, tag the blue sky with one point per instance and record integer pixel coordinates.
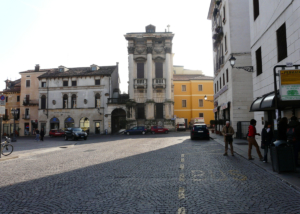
(80, 33)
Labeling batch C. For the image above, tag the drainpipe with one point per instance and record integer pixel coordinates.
(47, 96)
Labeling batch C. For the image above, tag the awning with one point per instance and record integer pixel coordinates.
(267, 103)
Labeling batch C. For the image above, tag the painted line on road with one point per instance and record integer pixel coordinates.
(181, 177)
(182, 160)
(182, 166)
(181, 210)
(182, 155)
(181, 193)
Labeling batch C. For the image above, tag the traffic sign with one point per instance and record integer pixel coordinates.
(2, 100)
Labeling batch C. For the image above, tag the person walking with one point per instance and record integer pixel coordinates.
(228, 132)
(251, 140)
(293, 136)
(37, 135)
(266, 140)
(42, 134)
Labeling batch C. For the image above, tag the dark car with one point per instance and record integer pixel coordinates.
(159, 129)
(56, 133)
(75, 134)
(136, 130)
(199, 131)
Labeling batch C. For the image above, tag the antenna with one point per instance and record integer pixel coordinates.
(168, 26)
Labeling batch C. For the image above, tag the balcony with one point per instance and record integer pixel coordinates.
(159, 83)
(116, 101)
(30, 102)
(140, 83)
(26, 116)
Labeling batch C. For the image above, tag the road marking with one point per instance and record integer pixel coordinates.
(182, 160)
(181, 177)
(198, 175)
(182, 155)
(181, 193)
(239, 177)
(182, 166)
(181, 210)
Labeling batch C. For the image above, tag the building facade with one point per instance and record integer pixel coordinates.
(150, 78)
(231, 36)
(275, 40)
(189, 93)
(12, 93)
(29, 103)
(77, 97)
(181, 70)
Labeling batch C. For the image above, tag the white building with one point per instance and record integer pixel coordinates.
(275, 40)
(77, 97)
(231, 36)
(150, 78)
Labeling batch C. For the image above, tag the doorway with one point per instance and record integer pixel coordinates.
(118, 119)
(97, 128)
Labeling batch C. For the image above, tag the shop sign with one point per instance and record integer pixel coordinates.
(224, 106)
(2, 100)
(225, 88)
(290, 85)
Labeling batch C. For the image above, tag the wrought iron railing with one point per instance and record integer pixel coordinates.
(30, 102)
(26, 116)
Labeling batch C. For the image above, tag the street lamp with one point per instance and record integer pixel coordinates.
(14, 112)
(205, 98)
(232, 63)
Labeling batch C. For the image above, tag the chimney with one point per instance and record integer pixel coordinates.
(37, 68)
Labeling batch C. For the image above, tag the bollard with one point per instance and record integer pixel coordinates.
(106, 131)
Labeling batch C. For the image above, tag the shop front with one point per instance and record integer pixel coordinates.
(84, 124)
(54, 123)
(69, 122)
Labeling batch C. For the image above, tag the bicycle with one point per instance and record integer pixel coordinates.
(6, 147)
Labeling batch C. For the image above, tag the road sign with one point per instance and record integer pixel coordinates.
(2, 100)
(2, 110)
(290, 85)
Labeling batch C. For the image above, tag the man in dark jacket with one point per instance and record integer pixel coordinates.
(293, 136)
(266, 140)
(42, 134)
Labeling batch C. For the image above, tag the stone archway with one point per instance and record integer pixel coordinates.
(118, 120)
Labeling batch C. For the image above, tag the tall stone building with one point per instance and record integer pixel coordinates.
(150, 78)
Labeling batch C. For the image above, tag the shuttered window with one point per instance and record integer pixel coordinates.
(159, 113)
(200, 103)
(200, 88)
(140, 70)
(281, 43)
(258, 62)
(183, 103)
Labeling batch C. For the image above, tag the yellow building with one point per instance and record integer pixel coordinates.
(189, 93)
(12, 94)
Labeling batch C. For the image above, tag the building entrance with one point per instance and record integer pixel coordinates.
(118, 120)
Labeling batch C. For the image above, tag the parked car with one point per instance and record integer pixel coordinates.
(181, 126)
(56, 133)
(75, 134)
(199, 131)
(159, 129)
(136, 130)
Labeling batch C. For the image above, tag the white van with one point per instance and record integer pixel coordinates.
(180, 124)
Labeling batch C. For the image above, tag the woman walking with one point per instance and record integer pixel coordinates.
(266, 140)
(251, 140)
(42, 134)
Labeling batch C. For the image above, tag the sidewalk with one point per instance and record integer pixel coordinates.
(241, 148)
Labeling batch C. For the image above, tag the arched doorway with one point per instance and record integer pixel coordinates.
(54, 123)
(118, 120)
(84, 124)
(69, 122)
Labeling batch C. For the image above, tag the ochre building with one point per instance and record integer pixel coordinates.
(189, 97)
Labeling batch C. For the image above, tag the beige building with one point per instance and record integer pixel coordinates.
(12, 93)
(29, 103)
(177, 69)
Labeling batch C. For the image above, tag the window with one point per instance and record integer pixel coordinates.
(27, 83)
(158, 70)
(217, 86)
(227, 75)
(97, 101)
(183, 88)
(61, 70)
(258, 62)
(73, 101)
(225, 42)
(255, 9)
(65, 83)
(200, 88)
(65, 101)
(94, 68)
(224, 15)
(43, 102)
(183, 103)
(159, 110)
(18, 98)
(140, 111)
(43, 84)
(74, 83)
(18, 116)
(200, 102)
(201, 115)
(97, 82)
(223, 79)
(281, 43)
(140, 70)
(6, 98)
(220, 83)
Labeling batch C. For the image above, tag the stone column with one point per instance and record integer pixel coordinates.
(168, 73)
(131, 69)
(149, 74)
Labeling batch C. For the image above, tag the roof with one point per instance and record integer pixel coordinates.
(78, 71)
(187, 77)
(12, 85)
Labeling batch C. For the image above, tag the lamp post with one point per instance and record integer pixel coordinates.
(205, 98)
(232, 63)
(14, 112)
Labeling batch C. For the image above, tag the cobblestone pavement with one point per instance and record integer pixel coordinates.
(141, 174)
